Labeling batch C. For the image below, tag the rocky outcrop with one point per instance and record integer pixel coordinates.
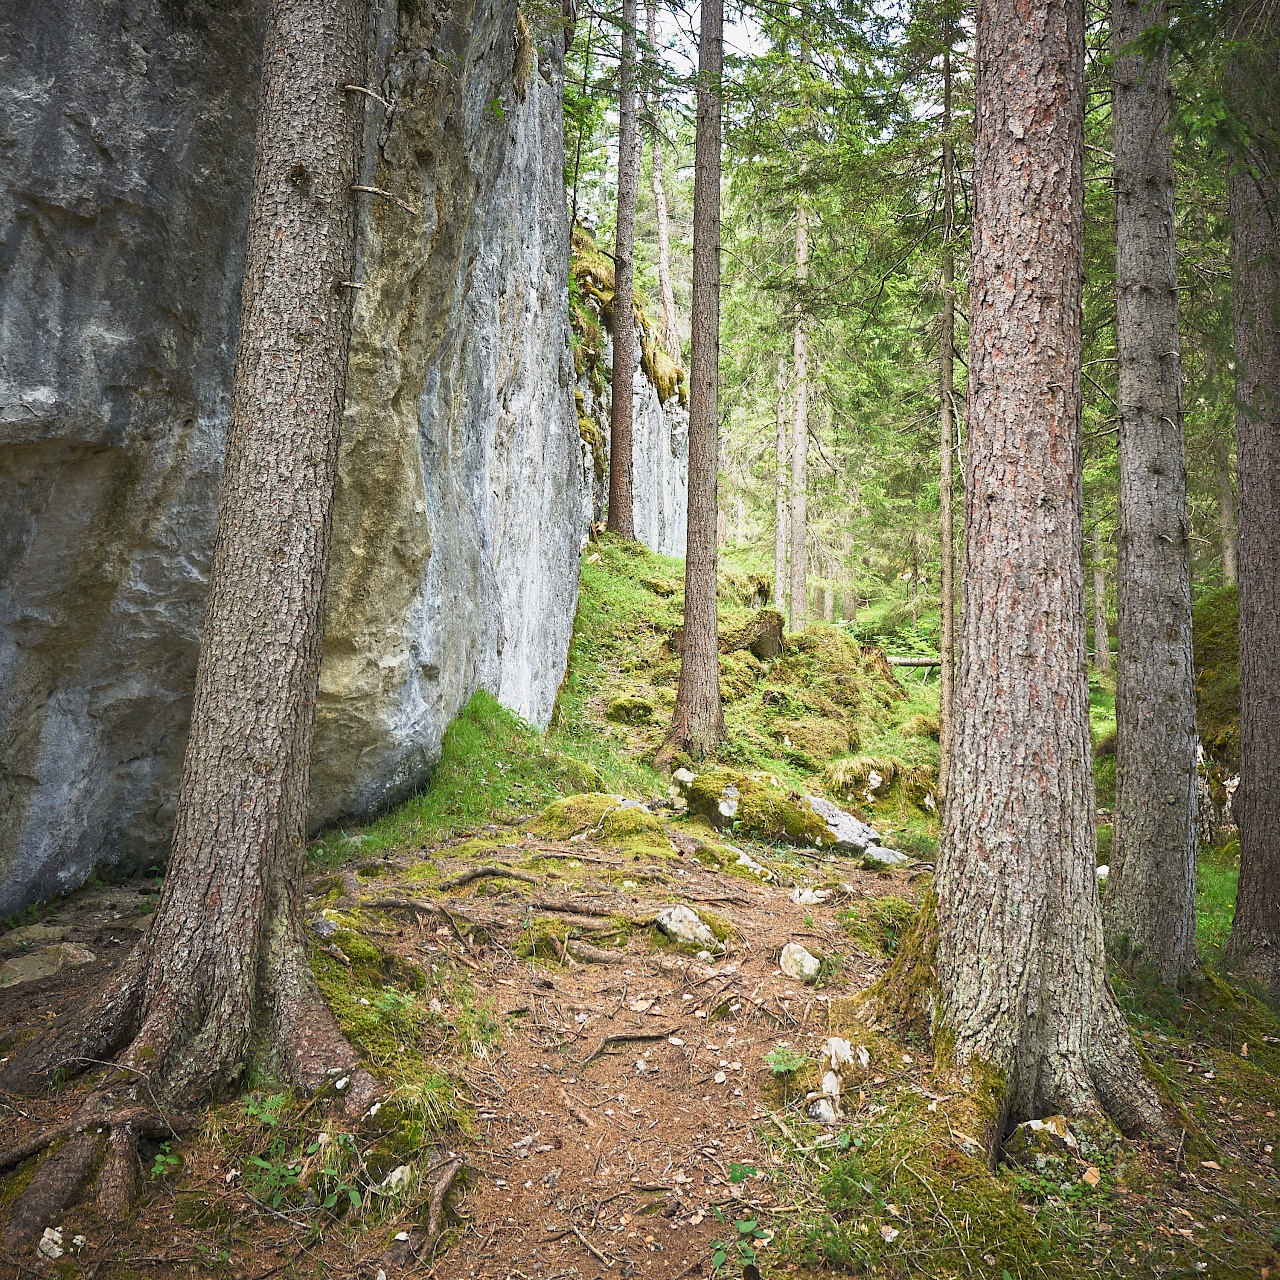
(660, 417)
(125, 150)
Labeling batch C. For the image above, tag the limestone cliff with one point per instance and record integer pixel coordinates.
(126, 136)
(660, 416)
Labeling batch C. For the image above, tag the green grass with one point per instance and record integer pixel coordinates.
(1219, 875)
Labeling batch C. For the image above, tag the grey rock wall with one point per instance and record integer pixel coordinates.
(125, 150)
(660, 455)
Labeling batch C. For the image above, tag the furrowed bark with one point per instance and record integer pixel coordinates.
(1150, 907)
(800, 437)
(621, 505)
(225, 951)
(780, 495)
(1101, 633)
(1254, 947)
(946, 443)
(1020, 967)
(697, 724)
(670, 335)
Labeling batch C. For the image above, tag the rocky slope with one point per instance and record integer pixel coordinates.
(125, 153)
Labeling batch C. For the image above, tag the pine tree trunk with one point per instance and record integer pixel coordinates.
(1151, 900)
(670, 335)
(222, 975)
(621, 505)
(780, 494)
(946, 431)
(697, 724)
(1254, 947)
(1101, 632)
(1226, 513)
(1020, 964)
(800, 437)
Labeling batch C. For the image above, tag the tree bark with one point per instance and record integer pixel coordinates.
(697, 724)
(222, 974)
(1227, 526)
(1020, 964)
(1254, 947)
(780, 494)
(1101, 632)
(946, 431)
(621, 518)
(800, 436)
(1151, 899)
(670, 335)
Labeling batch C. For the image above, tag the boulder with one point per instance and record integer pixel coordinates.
(798, 962)
(1046, 1147)
(683, 925)
(761, 634)
(44, 963)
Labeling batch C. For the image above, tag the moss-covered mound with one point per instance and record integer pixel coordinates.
(1216, 649)
(606, 818)
(754, 806)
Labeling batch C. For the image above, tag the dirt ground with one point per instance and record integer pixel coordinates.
(614, 1113)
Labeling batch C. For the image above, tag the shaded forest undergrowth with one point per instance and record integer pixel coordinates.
(571, 1092)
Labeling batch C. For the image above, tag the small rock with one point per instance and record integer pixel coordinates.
(1046, 1146)
(878, 856)
(1104, 873)
(809, 897)
(823, 1110)
(50, 1245)
(798, 962)
(322, 927)
(683, 778)
(18, 941)
(682, 924)
(396, 1179)
(746, 860)
(44, 964)
(728, 804)
(844, 830)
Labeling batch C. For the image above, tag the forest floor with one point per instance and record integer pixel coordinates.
(569, 1093)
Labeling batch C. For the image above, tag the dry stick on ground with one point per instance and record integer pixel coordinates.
(225, 952)
(628, 1037)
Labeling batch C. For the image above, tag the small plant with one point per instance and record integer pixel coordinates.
(743, 1245)
(274, 1178)
(264, 1110)
(336, 1188)
(784, 1060)
(741, 1172)
(165, 1162)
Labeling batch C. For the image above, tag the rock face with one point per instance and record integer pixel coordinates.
(659, 451)
(126, 139)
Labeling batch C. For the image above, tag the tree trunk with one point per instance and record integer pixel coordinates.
(697, 724)
(1151, 900)
(1226, 513)
(621, 507)
(222, 975)
(1254, 947)
(800, 436)
(669, 336)
(1101, 632)
(780, 494)
(1020, 964)
(946, 431)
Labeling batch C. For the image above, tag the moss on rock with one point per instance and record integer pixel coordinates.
(756, 807)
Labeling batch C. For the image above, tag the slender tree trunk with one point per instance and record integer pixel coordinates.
(577, 150)
(225, 956)
(670, 335)
(946, 431)
(1101, 632)
(1254, 947)
(800, 436)
(1151, 901)
(1020, 964)
(1226, 512)
(697, 724)
(780, 494)
(621, 506)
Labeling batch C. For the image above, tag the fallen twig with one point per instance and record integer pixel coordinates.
(591, 1249)
(625, 1037)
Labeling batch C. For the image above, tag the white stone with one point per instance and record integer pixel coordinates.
(809, 897)
(1104, 873)
(50, 1245)
(682, 924)
(683, 778)
(396, 1179)
(844, 831)
(824, 1111)
(798, 962)
(747, 861)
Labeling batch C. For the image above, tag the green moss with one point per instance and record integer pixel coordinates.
(880, 924)
(629, 709)
(755, 807)
(817, 737)
(738, 675)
